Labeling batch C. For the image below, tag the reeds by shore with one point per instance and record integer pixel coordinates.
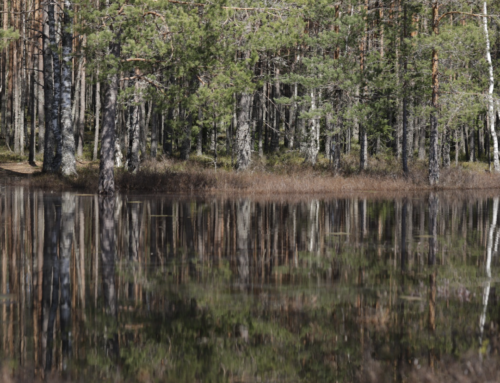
(195, 176)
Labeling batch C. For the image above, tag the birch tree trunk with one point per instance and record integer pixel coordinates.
(133, 132)
(48, 87)
(312, 147)
(106, 167)
(56, 67)
(68, 163)
(243, 134)
(491, 106)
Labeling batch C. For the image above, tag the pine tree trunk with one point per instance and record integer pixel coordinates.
(97, 114)
(154, 133)
(262, 116)
(5, 62)
(106, 167)
(68, 163)
(48, 87)
(405, 104)
(167, 135)
(144, 126)
(292, 120)
(81, 114)
(40, 96)
(275, 133)
(186, 136)
(32, 151)
(446, 148)
(433, 146)
(199, 136)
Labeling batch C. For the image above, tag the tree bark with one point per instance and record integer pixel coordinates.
(68, 163)
(48, 87)
(433, 146)
(97, 114)
(106, 167)
(243, 133)
(81, 114)
(56, 66)
(491, 106)
(132, 164)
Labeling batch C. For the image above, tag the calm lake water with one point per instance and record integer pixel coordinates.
(157, 288)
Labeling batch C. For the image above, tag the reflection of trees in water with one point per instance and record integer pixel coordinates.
(490, 247)
(107, 226)
(243, 244)
(328, 279)
(65, 244)
(50, 281)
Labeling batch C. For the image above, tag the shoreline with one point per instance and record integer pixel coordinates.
(178, 178)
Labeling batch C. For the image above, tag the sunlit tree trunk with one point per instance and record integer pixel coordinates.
(491, 106)
(132, 164)
(106, 167)
(243, 133)
(97, 114)
(68, 163)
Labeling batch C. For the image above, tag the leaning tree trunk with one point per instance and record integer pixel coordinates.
(106, 167)
(68, 163)
(243, 133)
(491, 106)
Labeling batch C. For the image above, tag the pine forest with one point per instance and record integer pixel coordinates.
(122, 81)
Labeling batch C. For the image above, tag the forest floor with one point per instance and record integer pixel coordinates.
(281, 173)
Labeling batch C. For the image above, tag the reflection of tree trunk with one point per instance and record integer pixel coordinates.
(65, 244)
(404, 248)
(133, 241)
(107, 226)
(433, 212)
(243, 227)
(50, 287)
(486, 292)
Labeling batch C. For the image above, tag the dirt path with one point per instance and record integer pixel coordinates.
(19, 168)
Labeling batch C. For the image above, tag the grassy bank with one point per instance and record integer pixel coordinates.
(282, 173)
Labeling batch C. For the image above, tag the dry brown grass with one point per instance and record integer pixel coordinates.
(176, 177)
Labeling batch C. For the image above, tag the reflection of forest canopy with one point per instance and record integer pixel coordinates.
(237, 289)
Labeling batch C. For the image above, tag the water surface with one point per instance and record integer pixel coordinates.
(159, 288)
